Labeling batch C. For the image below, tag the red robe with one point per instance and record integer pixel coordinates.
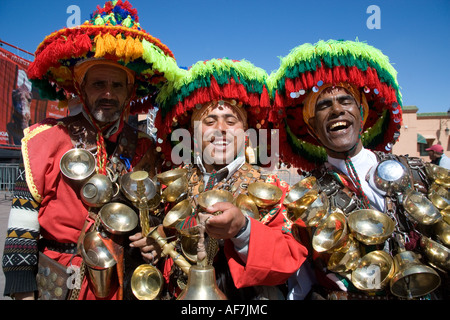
(273, 253)
(62, 214)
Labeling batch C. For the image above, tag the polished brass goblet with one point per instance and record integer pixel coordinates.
(167, 177)
(332, 233)
(211, 197)
(419, 208)
(181, 210)
(374, 271)
(264, 194)
(247, 206)
(370, 226)
(118, 218)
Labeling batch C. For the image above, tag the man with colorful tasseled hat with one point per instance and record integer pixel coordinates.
(337, 105)
(217, 101)
(115, 68)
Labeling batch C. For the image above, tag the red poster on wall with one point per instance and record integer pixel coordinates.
(20, 104)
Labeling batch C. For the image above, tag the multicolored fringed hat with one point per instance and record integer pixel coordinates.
(113, 33)
(239, 83)
(309, 67)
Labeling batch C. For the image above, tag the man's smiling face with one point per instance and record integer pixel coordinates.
(337, 122)
(222, 135)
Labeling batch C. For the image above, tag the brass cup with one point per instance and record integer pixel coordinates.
(346, 259)
(331, 234)
(175, 189)
(167, 177)
(436, 172)
(211, 197)
(370, 226)
(438, 255)
(315, 212)
(247, 206)
(264, 194)
(97, 191)
(445, 182)
(311, 208)
(439, 196)
(77, 164)
(442, 231)
(118, 218)
(420, 208)
(373, 271)
(301, 189)
(147, 282)
(181, 210)
(446, 214)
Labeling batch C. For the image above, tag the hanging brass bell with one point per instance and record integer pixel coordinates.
(412, 278)
(202, 285)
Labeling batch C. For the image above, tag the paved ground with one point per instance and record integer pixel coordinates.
(5, 206)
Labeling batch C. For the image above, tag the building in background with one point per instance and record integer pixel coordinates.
(421, 130)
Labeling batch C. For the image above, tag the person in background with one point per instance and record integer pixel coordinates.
(438, 157)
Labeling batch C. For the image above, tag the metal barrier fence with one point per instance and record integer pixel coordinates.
(8, 176)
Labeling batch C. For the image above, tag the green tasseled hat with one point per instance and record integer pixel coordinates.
(211, 80)
(309, 66)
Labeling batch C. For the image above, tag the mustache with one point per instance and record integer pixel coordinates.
(113, 102)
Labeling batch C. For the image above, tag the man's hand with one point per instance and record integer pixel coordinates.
(227, 224)
(150, 249)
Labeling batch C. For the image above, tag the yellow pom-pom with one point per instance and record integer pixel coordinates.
(99, 46)
(121, 46)
(110, 43)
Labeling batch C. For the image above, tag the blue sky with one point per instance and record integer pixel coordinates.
(414, 34)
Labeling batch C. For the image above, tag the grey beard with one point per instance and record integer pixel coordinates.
(101, 117)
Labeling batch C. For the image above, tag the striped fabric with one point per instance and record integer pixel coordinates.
(20, 252)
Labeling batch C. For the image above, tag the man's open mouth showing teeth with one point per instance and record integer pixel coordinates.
(341, 125)
(220, 142)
